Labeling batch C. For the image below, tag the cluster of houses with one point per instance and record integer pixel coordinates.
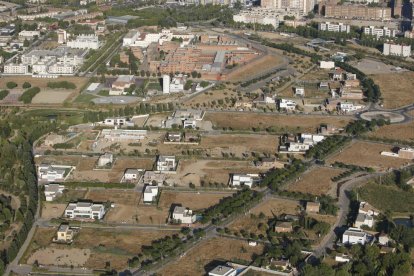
(183, 119)
(285, 224)
(290, 143)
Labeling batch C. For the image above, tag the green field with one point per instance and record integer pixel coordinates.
(84, 98)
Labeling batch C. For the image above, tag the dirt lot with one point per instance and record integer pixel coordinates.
(369, 155)
(316, 181)
(204, 256)
(280, 122)
(194, 201)
(397, 132)
(271, 208)
(51, 97)
(209, 171)
(116, 246)
(256, 67)
(156, 119)
(396, 89)
(63, 257)
(53, 210)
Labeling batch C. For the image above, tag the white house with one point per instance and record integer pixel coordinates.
(166, 163)
(354, 236)
(297, 147)
(183, 215)
(326, 64)
(53, 190)
(223, 270)
(300, 91)
(287, 104)
(105, 159)
(85, 210)
(150, 193)
(383, 239)
(243, 180)
(118, 121)
(349, 107)
(366, 208)
(51, 173)
(342, 258)
(364, 219)
(131, 175)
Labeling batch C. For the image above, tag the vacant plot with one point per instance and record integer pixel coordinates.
(254, 68)
(209, 171)
(270, 208)
(114, 245)
(207, 254)
(51, 97)
(317, 181)
(115, 196)
(368, 155)
(41, 83)
(194, 201)
(388, 198)
(395, 132)
(155, 120)
(396, 89)
(53, 210)
(282, 123)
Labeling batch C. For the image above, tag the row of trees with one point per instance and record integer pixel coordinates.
(327, 146)
(29, 94)
(275, 178)
(61, 84)
(359, 127)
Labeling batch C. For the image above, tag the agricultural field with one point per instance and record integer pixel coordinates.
(270, 208)
(396, 89)
(317, 181)
(91, 248)
(192, 200)
(368, 155)
(395, 131)
(51, 97)
(209, 171)
(208, 254)
(281, 123)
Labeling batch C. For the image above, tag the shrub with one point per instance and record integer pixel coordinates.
(28, 95)
(11, 85)
(26, 85)
(61, 84)
(3, 94)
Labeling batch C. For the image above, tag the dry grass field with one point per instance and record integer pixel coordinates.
(369, 155)
(256, 67)
(397, 132)
(53, 210)
(281, 122)
(317, 181)
(396, 89)
(51, 97)
(194, 201)
(204, 257)
(114, 245)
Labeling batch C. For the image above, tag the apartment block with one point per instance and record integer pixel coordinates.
(380, 32)
(332, 27)
(351, 11)
(391, 49)
(258, 16)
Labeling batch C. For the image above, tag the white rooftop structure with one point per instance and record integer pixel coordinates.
(183, 215)
(85, 42)
(222, 270)
(150, 193)
(53, 190)
(354, 236)
(166, 163)
(85, 210)
(105, 159)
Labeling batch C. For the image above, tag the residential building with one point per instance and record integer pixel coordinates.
(166, 80)
(302, 7)
(240, 180)
(287, 105)
(300, 91)
(261, 16)
(15, 69)
(166, 163)
(380, 32)
(183, 215)
(122, 83)
(354, 236)
(366, 208)
(62, 36)
(131, 175)
(64, 234)
(406, 153)
(29, 34)
(364, 219)
(222, 270)
(332, 27)
(391, 49)
(342, 258)
(362, 12)
(185, 118)
(350, 107)
(280, 264)
(383, 239)
(312, 207)
(106, 159)
(150, 193)
(85, 210)
(123, 134)
(118, 122)
(177, 83)
(283, 227)
(51, 173)
(173, 136)
(130, 38)
(326, 64)
(53, 190)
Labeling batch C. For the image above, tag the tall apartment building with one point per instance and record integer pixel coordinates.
(380, 32)
(357, 12)
(332, 27)
(258, 16)
(391, 49)
(304, 6)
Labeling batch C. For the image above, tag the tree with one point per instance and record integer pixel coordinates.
(26, 43)
(26, 85)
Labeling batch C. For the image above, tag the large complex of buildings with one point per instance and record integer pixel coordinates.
(380, 32)
(59, 61)
(332, 27)
(261, 16)
(303, 6)
(84, 42)
(351, 11)
(134, 38)
(391, 49)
